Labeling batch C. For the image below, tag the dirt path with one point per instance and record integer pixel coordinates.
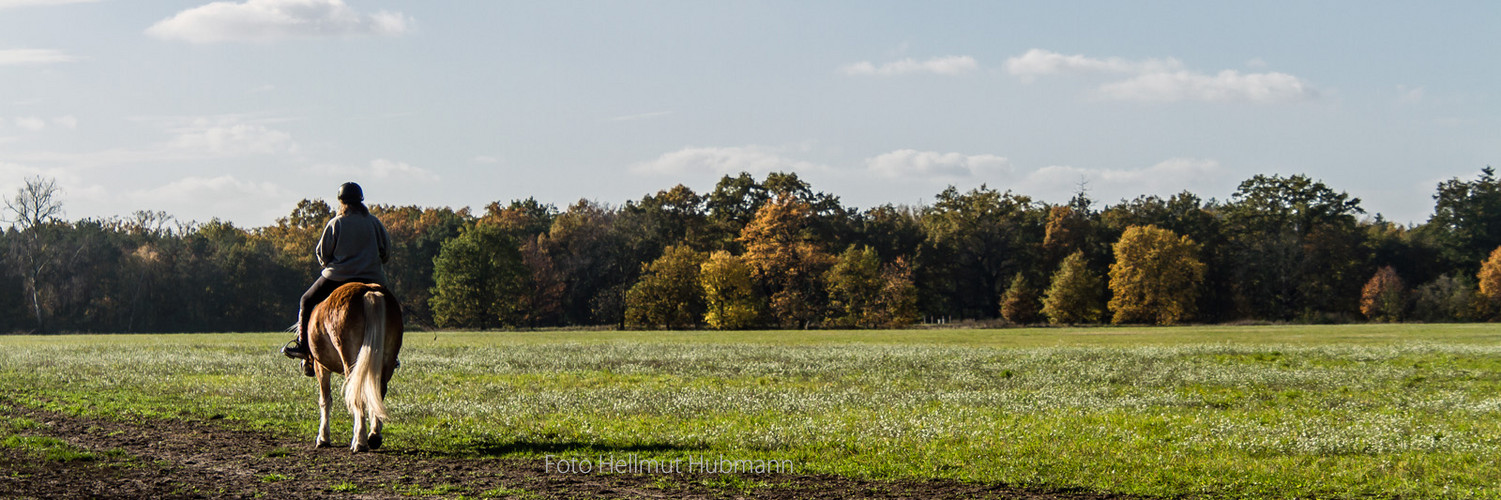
(208, 459)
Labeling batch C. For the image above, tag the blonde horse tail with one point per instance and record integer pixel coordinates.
(362, 387)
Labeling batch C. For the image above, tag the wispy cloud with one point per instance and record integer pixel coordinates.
(947, 65)
(723, 160)
(378, 169)
(1167, 177)
(1226, 86)
(275, 20)
(1038, 62)
(17, 57)
(187, 138)
(7, 4)
(1164, 80)
(231, 139)
(910, 163)
(212, 195)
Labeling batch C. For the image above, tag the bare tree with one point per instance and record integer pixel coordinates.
(35, 207)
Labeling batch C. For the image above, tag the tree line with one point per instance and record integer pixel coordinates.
(776, 253)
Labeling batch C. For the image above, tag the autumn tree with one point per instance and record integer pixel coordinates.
(1074, 295)
(1155, 277)
(1201, 221)
(730, 298)
(786, 262)
(1489, 279)
(896, 305)
(1020, 303)
(591, 255)
(1382, 298)
(417, 235)
(542, 298)
(669, 294)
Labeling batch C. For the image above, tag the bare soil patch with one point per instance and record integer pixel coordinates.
(210, 459)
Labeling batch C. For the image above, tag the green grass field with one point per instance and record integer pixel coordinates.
(1277, 411)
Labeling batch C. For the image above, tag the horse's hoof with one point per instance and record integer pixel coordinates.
(323, 444)
(375, 441)
(358, 449)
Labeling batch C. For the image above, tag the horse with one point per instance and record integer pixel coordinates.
(356, 333)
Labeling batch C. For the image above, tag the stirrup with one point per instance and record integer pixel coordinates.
(291, 350)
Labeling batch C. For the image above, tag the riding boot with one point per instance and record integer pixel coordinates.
(298, 348)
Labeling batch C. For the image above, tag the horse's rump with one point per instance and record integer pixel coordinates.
(356, 332)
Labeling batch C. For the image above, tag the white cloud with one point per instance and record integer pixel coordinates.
(1256, 63)
(221, 191)
(910, 163)
(31, 123)
(69, 122)
(231, 139)
(7, 4)
(1165, 80)
(1164, 178)
(726, 160)
(379, 169)
(947, 65)
(1227, 86)
(1038, 62)
(382, 168)
(273, 20)
(16, 57)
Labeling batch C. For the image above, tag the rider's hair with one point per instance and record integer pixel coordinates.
(346, 207)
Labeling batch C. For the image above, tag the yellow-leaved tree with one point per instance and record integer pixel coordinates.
(1155, 277)
(730, 299)
(1074, 295)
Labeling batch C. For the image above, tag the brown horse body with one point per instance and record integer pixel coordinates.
(356, 333)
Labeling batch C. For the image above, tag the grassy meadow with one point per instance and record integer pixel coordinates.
(1250, 411)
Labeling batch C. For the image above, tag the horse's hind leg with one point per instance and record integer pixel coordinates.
(325, 398)
(359, 444)
(375, 439)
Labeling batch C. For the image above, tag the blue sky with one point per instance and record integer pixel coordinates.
(239, 109)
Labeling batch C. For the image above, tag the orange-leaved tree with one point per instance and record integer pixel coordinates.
(787, 261)
(1155, 277)
(1382, 298)
(1490, 285)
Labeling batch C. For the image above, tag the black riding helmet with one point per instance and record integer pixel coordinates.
(351, 192)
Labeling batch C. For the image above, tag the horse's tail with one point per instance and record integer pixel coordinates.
(362, 386)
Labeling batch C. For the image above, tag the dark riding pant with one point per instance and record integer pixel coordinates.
(315, 294)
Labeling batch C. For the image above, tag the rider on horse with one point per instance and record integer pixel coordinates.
(353, 248)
